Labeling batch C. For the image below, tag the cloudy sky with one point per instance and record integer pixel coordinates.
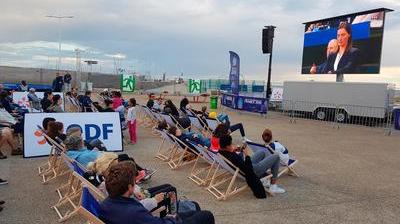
(174, 36)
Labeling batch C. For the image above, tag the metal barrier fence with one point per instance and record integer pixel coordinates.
(338, 115)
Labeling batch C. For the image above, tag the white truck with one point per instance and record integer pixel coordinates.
(339, 100)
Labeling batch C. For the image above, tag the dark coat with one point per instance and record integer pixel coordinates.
(348, 64)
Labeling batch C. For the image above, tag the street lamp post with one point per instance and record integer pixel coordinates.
(59, 35)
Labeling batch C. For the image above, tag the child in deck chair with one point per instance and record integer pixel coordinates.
(276, 147)
(253, 166)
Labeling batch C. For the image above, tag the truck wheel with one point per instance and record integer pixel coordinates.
(320, 114)
(341, 116)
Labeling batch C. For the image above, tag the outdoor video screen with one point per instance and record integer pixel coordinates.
(349, 44)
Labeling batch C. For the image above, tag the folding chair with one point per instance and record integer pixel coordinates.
(225, 173)
(78, 201)
(180, 152)
(166, 147)
(169, 120)
(90, 208)
(179, 125)
(201, 175)
(289, 169)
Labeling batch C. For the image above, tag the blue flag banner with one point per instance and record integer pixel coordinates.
(235, 72)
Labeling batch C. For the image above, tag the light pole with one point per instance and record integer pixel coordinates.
(59, 35)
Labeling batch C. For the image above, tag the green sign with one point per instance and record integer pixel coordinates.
(128, 82)
(194, 85)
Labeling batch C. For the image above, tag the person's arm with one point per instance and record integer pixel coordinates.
(149, 203)
(144, 216)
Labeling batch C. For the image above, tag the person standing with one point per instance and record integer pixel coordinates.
(67, 82)
(58, 83)
(23, 87)
(131, 117)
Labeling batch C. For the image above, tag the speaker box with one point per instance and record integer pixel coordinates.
(267, 37)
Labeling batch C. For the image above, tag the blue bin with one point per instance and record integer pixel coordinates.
(396, 114)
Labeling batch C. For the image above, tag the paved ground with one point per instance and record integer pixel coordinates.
(350, 175)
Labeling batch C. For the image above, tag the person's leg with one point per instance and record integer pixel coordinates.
(238, 126)
(134, 131)
(269, 162)
(130, 129)
(257, 157)
(198, 217)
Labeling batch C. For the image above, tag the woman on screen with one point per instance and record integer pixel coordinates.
(346, 60)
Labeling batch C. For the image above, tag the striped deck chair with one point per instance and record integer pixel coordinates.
(201, 175)
(179, 125)
(212, 124)
(194, 120)
(181, 151)
(223, 183)
(150, 119)
(284, 168)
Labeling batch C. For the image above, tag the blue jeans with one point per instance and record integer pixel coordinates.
(262, 162)
(200, 139)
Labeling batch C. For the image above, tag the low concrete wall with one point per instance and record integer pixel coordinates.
(46, 76)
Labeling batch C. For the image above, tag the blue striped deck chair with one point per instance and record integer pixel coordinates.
(284, 168)
(68, 188)
(224, 182)
(195, 122)
(182, 151)
(200, 174)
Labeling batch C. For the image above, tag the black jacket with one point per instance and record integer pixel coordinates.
(246, 167)
(348, 64)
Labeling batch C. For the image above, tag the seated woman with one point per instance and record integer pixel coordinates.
(170, 108)
(151, 199)
(119, 207)
(55, 131)
(107, 106)
(75, 150)
(253, 166)
(56, 104)
(220, 130)
(192, 136)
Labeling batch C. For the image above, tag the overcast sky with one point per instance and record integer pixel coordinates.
(174, 36)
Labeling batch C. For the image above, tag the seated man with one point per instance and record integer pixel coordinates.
(120, 208)
(277, 147)
(192, 136)
(253, 166)
(34, 99)
(75, 150)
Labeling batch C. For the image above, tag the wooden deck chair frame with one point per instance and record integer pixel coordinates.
(181, 151)
(225, 172)
(56, 166)
(165, 154)
(69, 187)
(88, 216)
(202, 175)
(284, 169)
(149, 118)
(76, 206)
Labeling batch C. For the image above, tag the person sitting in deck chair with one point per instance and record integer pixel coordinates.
(191, 136)
(276, 146)
(254, 166)
(120, 208)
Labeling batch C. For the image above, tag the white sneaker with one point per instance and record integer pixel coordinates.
(265, 182)
(274, 188)
(244, 140)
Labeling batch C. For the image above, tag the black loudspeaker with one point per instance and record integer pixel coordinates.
(267, 39)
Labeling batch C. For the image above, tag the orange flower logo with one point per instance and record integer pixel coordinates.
(41, 139)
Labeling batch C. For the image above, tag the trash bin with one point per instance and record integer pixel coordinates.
(396, 114)
(213, 102)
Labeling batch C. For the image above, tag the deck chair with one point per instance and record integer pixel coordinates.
(166, 147)
(169, 120)
(194, 120)
(225, 173)
(180, 152)
(201, 175)
(212, 124)
(149, 118)
(76, 202)
(179, 125)
(90, 207)
(289, 169)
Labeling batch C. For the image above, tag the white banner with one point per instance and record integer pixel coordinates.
(277, 94)
(21, 98)
(103, 126)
